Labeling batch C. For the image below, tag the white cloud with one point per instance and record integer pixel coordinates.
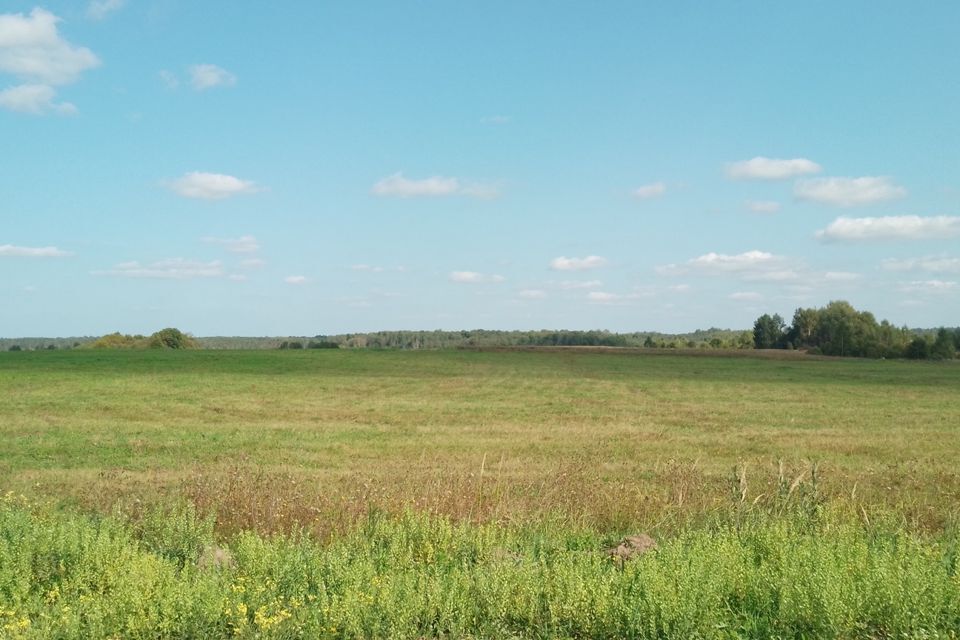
(750, 265)
(169, 79)
(369, 268)
(396, 186)
(761, 168)
(211, 186)
(604, 297)
(243, 244)
(237, 277)
(934, 264)
(745, 296)
(295, 279)
(580, 284)
(763, 206)
(848, 192)
(472, 277)
(532, 294)
(32, 50)
(35, 99)
(208, 76)
(253, 263)
(679, 288)
(929, 286)
(173, 268)
(577, 264)
(652, 190)
(32, 252)
(891, 228)
(841, 276)
(100, 9)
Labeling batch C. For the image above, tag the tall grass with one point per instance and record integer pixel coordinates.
(753, 574)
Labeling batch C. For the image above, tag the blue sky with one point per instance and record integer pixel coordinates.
(306, 168)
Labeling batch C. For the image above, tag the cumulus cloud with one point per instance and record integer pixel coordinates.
(295, 279)
(397, 186)
(243, 244)
(211, 186)
(763, 206)
(32, 50)
(761, 168)
(173, 268)
(929, 287)
(472, 277)
(208, 76)
(745, 296)
(32, 252)
(848, 192)
(532, 294)
(891, 228)
(750, 265)
(652, 190)
(577, 264)
(100, 9)
(35, 99)
(933, 264)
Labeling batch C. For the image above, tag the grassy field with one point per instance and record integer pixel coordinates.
(469, 493)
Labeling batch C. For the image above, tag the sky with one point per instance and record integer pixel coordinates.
(306, 168)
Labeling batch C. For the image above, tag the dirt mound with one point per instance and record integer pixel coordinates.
(632, 547)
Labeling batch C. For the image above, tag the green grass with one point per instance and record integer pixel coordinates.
(616, 437)
(68, 576)
(471, 494)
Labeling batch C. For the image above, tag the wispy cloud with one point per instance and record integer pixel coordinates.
(208, 76)
(211, 186)
(568, 285)
(173, 268)
(499, 119)
(761, 168)
(929, 287)
(848, 192)
(369, 268)
(891, 228)
(763, 206)
(397, 186)
(243, 244)
(253, 263)
(100, 9)
(532, 294)
(564, 263)
(32, 252)
(169, 79)
(746, 296)
(32, 50)
(648, 191)
(757, 263)
(295, 279)
(473, 277)
(933, 264)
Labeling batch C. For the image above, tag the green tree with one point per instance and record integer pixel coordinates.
(943, 348)
(768, 331)
(918, 349)
(171, 338)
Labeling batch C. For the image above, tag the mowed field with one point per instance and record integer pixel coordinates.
(472, 494)
(609, 439)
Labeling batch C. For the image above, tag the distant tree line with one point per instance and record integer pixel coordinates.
(840, 330)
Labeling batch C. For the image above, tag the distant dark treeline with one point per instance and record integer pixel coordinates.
(840, 330)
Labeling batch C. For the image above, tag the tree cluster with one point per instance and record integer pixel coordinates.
(168, 338)
(840, 330)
